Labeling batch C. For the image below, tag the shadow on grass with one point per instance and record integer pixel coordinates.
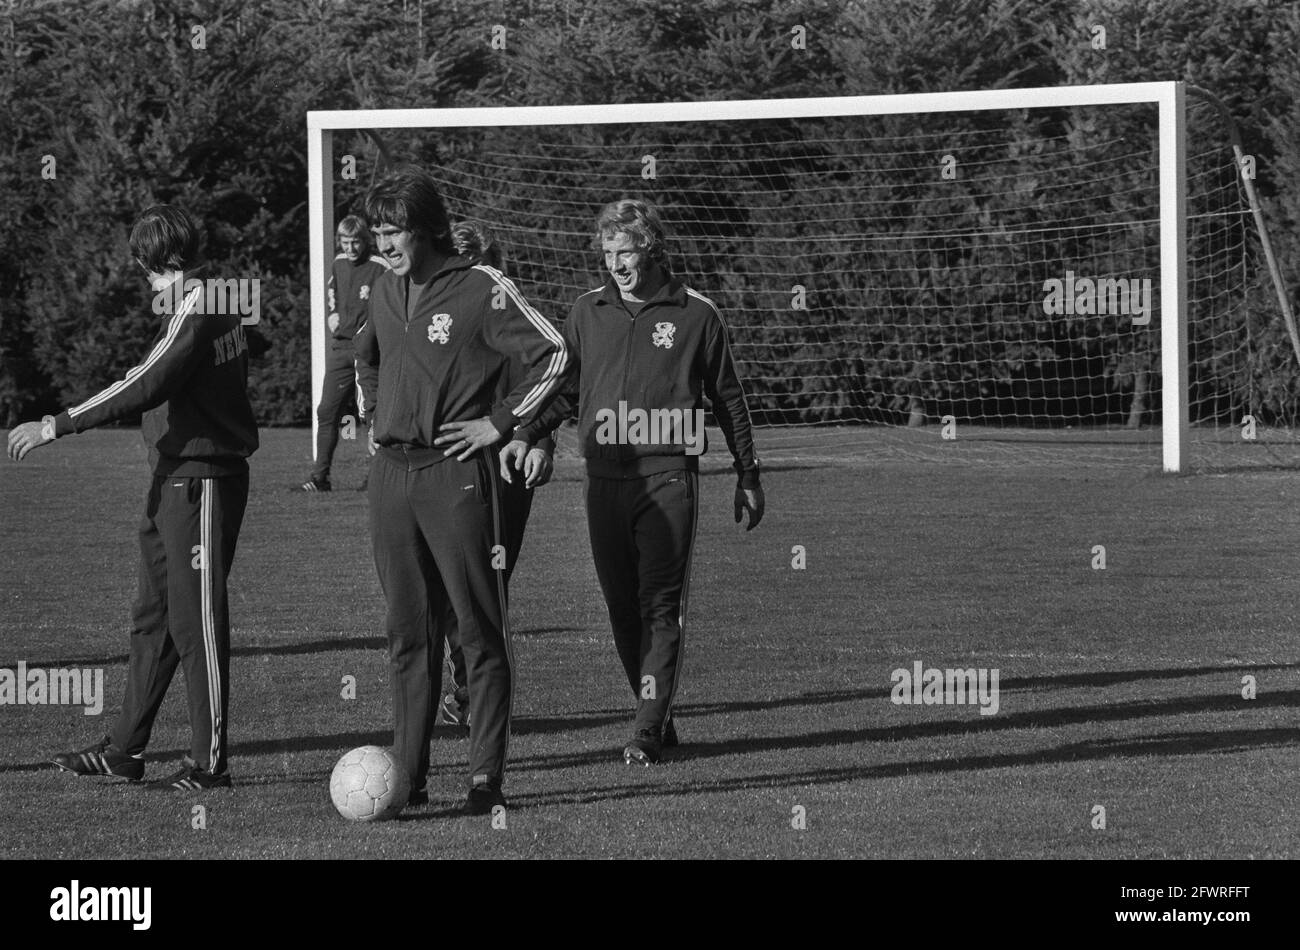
(337, 645)
(1005, 684)
(1163, 744)
(1045, 719)
(337, 743)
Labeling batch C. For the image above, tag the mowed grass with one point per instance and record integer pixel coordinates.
(1120, 688)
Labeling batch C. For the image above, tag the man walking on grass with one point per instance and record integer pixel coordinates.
(199, 427)
(646, 348)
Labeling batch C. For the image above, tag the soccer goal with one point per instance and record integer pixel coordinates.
(1026, 273)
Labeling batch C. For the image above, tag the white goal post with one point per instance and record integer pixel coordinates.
(1169, 97)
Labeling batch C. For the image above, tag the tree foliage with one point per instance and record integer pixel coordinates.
(203, 104)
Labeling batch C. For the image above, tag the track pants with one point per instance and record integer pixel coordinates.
(180, 617)
(433, 530)
(516, 504)
(339, 393)
(642, 534)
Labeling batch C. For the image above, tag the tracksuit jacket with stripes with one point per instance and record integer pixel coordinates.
(446, 362)
(673, 351)
(192, 391)
(200, 431)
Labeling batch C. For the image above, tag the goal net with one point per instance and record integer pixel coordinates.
(1039, 275)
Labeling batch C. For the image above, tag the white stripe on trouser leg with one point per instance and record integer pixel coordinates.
(498, 539)
(209, 623)
(693, 481)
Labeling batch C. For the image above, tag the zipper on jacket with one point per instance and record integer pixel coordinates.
(623, 454)
(401, 364)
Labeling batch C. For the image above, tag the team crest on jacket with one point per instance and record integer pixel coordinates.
(664, 335)
(365, 291)
(440, 328)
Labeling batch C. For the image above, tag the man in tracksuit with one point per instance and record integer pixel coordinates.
(475, 243)
(645, 349)
(351, 277)
(200, 431)
(445, 331)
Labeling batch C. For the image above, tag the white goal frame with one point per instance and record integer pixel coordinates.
(1168, 96)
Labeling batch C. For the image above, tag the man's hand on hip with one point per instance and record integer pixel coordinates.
(467, 437)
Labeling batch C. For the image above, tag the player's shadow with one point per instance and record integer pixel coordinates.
(539, 631)
(1049, 681)
(596, 719)
(334, 744)
(450, 810)
(541, 725)
(1044, 719)
(341, 644)
(1005, 684)
(1038, 719)
(1162, 744)
(1247, 469)
(783, 466)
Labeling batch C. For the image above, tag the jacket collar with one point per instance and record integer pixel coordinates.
(453, 263)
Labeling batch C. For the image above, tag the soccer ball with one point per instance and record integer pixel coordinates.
(369, 784)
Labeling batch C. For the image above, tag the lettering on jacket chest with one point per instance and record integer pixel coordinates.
(229, 345)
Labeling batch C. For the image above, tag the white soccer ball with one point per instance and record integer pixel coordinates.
(369, 784)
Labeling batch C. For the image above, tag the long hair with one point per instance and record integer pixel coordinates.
(408, 199)
(165, 238)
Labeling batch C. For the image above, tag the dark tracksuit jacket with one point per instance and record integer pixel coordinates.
(618, 357)
(641, 497)
(199, 427)
(435, 521)
(349, 298)
(349, 291)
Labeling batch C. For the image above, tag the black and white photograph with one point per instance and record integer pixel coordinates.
(651, 430)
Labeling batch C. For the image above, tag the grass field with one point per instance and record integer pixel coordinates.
(1119, 687)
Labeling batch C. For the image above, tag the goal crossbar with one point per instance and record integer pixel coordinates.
(1168, 97)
